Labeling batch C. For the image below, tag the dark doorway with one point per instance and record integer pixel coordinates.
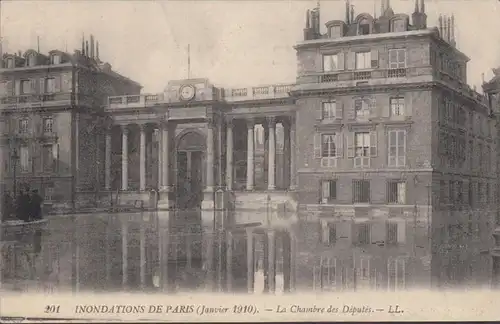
(189, 179)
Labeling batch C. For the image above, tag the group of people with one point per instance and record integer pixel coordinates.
(26, 207)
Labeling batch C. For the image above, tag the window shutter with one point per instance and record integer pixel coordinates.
(339, 145)
(10, 88)
(66, 82)
(18, 88)
(41, 85)
(351, 60)
(317, 145)
(401, 231)
(373, 143)
(350, 144)
(354, 233)
(351, 111)
(319, 111)
(39, 159)
(374, 58)
(341, 61)
(408, 104)
(372, 104)
(57, 84)
(39, 126)
(386, 107)
(339, 110)
(324, 232)
(33, 85)
(325, 191)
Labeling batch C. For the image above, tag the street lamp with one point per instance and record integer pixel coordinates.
(14, 157)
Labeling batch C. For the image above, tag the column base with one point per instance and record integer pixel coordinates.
(165, 200)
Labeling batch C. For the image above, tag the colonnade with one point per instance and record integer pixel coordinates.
(166, 133)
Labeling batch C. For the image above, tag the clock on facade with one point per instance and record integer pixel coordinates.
(187, 92)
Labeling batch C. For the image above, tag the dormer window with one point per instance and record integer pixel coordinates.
(336, 31)
(364, 27)
(31, 60)
(398, 25)
(10, 63)
(55, 59)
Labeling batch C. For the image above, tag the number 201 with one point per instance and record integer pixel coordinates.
(52, 309)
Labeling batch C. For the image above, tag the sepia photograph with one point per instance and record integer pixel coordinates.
(238, 160)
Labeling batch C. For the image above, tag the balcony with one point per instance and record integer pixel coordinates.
(363, 75)
(229, 95)
(35, 100)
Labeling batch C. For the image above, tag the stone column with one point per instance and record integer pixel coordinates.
(250, 154)
(124, 158)
(165, 163)
(286, 156)
(142, 158)
(229, 154)
(163, 251)
(293, 156)
(271, 170)
(107, 161)
(250, 260)
(160, 163)
(271, 273)
(287, 261)
(208, 238)
(142, 253)
(229, 261)
(124, 253)
(210, 157)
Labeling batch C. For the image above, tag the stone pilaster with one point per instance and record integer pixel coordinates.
(229, 154)
(125, 132)
(250, 154)
(271, 172)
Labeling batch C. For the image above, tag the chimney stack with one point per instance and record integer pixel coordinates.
(453, 42)
(441, 26)
(86, 48)
(97, 50)
(347, 17)
(92, 53)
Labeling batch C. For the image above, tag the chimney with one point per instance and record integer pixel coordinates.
(92, 53)
(416, 16)
(352, 13)
(308, 22)
(449, 29)
(97, 50)
(441, 26)
(87, 48)
(453, 42)
(347, 7)
(20, 53)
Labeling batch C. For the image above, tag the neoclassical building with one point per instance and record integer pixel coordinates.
(373, 170)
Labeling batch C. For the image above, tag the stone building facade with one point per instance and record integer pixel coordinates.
(52, 120)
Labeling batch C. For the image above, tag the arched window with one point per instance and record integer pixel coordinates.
(364, 27)
(336, 31)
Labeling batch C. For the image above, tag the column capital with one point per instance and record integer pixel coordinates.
(125, 129)
(250, 122)
(271, 122)
(142, 127)
(211, 123)
(230, 121)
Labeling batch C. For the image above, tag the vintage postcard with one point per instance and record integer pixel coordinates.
(198, 161)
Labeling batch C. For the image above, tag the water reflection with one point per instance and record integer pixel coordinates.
(103, 252)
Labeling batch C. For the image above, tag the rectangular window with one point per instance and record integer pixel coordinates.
(363, 107)
(396, 192)
(26, 87)
(48, 193)
(364, 233)
(328, 191)
(24, 157)
(23, 126)
(48, 124)
(397, 106)
(329, 110)
(363, 60)
(330, 63)
(56, 59)
(328, 273)
(362, 144)
(50, 85)
(361, 191)
(335, 31)
(398, 25)
(31, 60)
(392, 233)
(397, 148)
(48, 157)
(480, 192)
(332, 233)
(396, 270)
(10, 63)
(397, 58)
(328, 145)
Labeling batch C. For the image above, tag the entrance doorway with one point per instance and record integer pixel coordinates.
(190, 152)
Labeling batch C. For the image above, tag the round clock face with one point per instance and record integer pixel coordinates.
(187, 92)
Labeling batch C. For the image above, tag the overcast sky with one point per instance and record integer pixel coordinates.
(233, 43)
